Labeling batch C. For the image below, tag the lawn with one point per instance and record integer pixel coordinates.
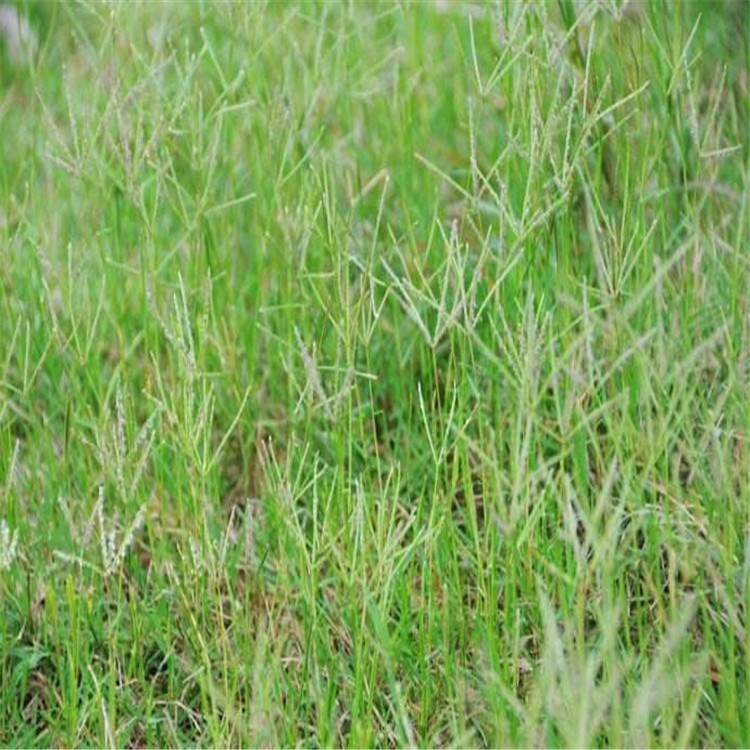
(375, 374)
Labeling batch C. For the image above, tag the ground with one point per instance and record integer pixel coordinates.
(374, 374)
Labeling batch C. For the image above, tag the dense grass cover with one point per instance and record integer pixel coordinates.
(375, 375)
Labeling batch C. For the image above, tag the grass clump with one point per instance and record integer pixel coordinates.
(375, 375)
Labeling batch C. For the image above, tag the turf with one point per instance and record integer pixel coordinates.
(375, 375)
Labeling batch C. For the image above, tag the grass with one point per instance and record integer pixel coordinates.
(375, 375)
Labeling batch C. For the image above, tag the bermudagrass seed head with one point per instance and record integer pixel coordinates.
(8, 546)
